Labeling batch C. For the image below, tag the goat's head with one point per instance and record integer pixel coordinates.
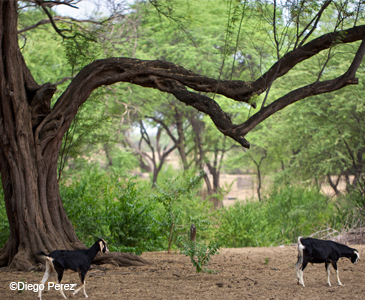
(355, 257)
(103, 247)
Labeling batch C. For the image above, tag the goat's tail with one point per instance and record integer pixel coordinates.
(46, 256)
(300, 252)
(300, 246)
(41, 253)
(49, 262)
(300, 258)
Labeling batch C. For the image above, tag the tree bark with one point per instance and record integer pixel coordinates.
(334, 185)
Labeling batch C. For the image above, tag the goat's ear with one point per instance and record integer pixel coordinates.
(101, 245)
(358, 255)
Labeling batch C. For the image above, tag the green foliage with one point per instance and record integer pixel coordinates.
(200, 253)
(41, 48)
(285, 214)
(182, 207)
(242, 225)
(129, 215)
(117, 209)
(83, 202)
(82, 49)
(294, 211)
(4, 223)
(91, 134)
(133, 221)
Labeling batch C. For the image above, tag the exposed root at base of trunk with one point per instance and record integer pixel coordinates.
(22, 261)
(120, 259)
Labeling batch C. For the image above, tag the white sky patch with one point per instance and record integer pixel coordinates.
(86, 9)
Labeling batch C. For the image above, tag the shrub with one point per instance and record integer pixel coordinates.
(103, 205)
(280, 219)
(133, 217)
(183, 206)
(200, 253)
(133, 220)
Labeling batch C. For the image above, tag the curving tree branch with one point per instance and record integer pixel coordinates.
(176, 80)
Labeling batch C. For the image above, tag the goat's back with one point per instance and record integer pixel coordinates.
(321, 250)
(71, 259)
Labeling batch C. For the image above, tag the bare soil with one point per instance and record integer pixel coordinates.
(241, 273)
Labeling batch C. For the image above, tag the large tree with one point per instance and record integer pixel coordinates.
(32, 130)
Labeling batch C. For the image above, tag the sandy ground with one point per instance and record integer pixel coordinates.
(242, 273)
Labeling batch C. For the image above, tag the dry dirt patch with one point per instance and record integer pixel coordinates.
(243, 273)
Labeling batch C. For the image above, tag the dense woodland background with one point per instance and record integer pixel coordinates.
(138, 167)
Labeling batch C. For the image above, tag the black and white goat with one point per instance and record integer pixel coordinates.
(75, 260)
(321, 251)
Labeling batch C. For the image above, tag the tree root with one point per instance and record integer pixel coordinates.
(22, 261)
(120, 259)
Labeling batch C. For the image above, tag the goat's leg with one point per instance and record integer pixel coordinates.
(304, 264)
(327, 264)
(59, 278)
(297, 265)
(334, 264)
(86, 296)
(48, 272)
(75, 292)
(82, 278)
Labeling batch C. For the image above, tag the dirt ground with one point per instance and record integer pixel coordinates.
(242, 273)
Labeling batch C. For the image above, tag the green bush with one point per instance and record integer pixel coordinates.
(133, 220)
(83, 202)
(182, 206)
(284, 215)
(103, 205)
(133, 217)
(200, 253)
(295, 211)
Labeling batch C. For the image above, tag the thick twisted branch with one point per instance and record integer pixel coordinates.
(176, 80)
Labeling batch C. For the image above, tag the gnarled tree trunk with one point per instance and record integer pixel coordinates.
(29, 150)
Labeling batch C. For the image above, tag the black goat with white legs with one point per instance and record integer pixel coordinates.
(75, 260)
(320, 251)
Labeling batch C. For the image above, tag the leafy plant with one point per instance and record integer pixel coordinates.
(200, 253)
(133, 220)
